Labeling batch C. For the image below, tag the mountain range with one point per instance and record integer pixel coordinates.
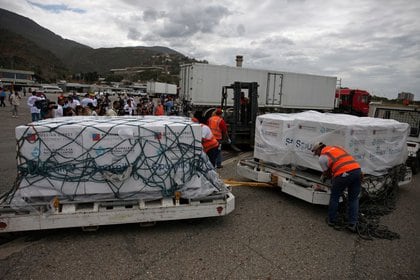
(25, 45)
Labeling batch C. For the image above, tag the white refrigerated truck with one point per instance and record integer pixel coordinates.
(158, 88)
(201, 87)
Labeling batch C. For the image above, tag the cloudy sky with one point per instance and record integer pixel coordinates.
(368, 44)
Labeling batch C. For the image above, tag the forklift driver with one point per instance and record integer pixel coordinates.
(244, 102)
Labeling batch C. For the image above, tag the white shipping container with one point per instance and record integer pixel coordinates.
(201, 84)
(161, 88)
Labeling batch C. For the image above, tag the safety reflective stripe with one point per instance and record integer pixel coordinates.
(335, 159)
(336, 168)
(343, 166)
(209, 143)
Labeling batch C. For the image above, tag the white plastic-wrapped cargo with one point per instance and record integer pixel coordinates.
(377, 144)
(140, 157)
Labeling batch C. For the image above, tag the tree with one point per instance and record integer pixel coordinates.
(90, 77)
(113, 78)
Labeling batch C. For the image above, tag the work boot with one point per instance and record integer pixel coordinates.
(352, 227)
(331, 224)
(334, 225)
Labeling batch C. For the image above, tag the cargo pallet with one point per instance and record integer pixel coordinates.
(92, 214)
(303, 183)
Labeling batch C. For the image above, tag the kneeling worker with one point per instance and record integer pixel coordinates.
(346, 173)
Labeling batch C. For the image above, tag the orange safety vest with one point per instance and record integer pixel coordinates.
(339, 160)
(214, 124)
(159, 111)
(209, 143)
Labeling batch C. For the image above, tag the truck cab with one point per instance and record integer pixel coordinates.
(403, 113)
(353, 101)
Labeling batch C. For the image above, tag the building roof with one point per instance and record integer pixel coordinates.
(17, 71)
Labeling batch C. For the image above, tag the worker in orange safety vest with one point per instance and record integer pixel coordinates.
(219, 129)
(346, 174)
(209, 142)
(159, 110)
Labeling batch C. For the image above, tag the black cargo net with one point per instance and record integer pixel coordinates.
(158, 155)
(378, 198)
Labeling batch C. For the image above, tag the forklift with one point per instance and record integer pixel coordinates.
(241, 114)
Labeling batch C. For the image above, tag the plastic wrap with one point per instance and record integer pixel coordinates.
(377, 144)
(88, 158)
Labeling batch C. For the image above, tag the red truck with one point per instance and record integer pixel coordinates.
(353, 101)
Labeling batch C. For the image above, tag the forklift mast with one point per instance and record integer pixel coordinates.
(241, 116)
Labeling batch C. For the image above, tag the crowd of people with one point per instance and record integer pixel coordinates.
(87, 104)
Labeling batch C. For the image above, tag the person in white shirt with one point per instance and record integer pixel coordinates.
(59, 111)
(86, 100)
(209, 142)
(73, 102)
(15, 102)
(35, 112)
(113, 112)
(129, 107)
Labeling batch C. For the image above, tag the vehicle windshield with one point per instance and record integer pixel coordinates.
(365, 99)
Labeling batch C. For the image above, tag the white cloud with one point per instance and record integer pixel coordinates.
(370, 44)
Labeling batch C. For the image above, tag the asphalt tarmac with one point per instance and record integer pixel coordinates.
(270, 235)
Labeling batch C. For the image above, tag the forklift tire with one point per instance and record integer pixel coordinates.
(415, 165)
